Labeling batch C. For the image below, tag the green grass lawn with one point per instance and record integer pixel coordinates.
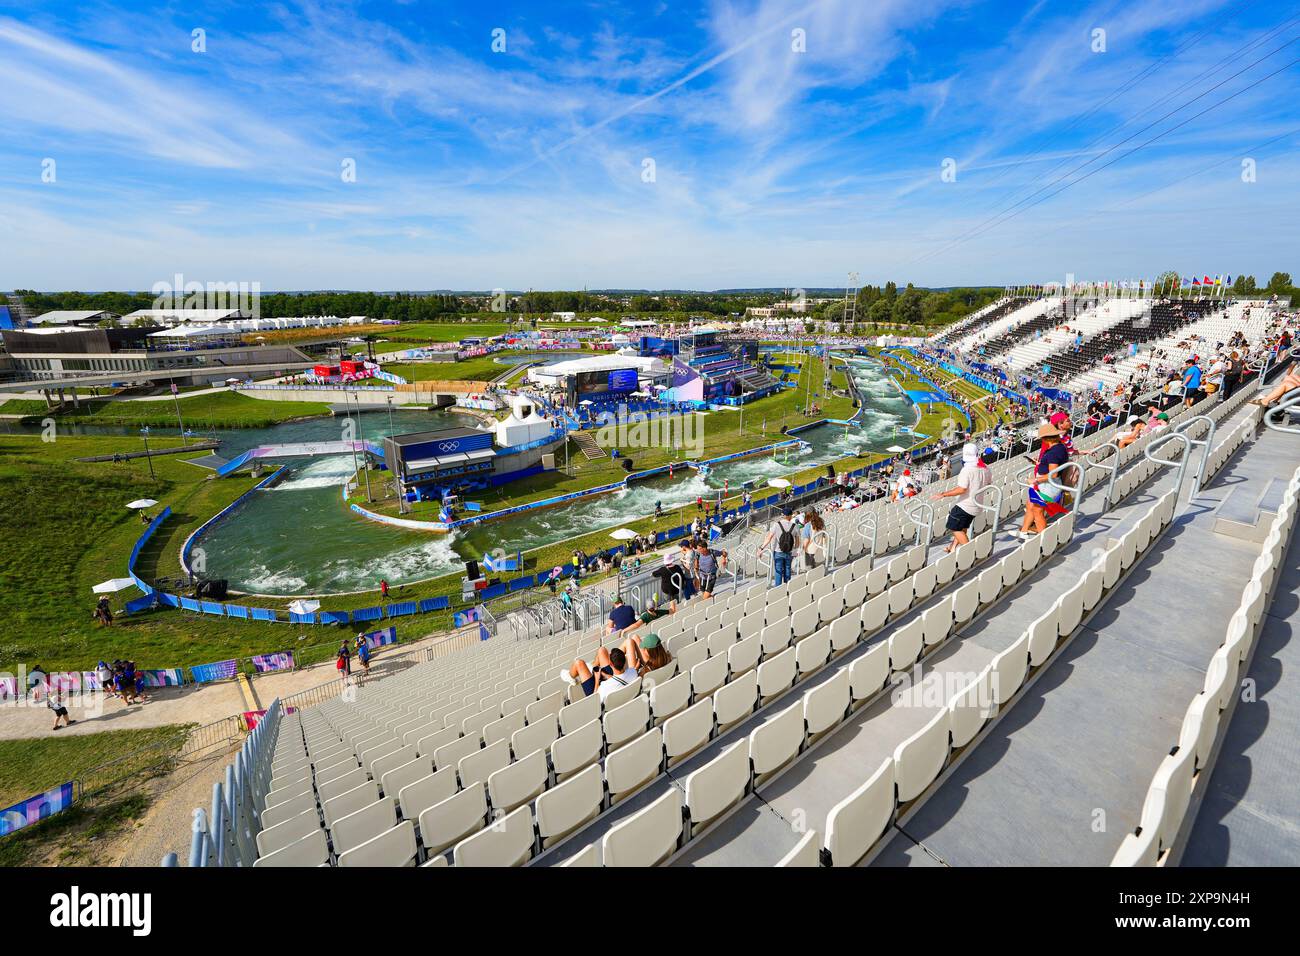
(66, 529)
(29, 767)
(484, 368)
(218, 410)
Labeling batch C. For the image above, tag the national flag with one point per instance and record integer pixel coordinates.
(1218, 280)
(1227, 280)
(1196, 281)
(1206, 281)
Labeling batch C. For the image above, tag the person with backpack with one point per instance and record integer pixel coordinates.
(707, 564)
(1233, 368)
(783, 533)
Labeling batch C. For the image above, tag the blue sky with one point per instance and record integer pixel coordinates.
(478, 169)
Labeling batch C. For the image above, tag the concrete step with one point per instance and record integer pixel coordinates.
(1239, 514)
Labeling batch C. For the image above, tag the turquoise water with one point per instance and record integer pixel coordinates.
(298, 537)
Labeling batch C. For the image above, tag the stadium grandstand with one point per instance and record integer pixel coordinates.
(899, 701)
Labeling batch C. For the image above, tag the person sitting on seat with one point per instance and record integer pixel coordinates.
(611, 672)
(1289, 382)
(621, 617)
(646, 653)
(1136, 427)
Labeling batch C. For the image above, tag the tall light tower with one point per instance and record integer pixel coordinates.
(851, 300)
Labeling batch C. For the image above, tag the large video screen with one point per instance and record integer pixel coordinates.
(616, 381)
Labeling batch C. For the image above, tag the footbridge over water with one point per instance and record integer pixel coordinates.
(300, 450)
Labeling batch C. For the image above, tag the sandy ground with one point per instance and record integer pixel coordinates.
(193, 703)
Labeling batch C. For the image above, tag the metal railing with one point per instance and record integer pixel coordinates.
(924, 531)
(1108, 497)
(1206, 444)
(1273, 416)
(226, 835)
(1181, 461)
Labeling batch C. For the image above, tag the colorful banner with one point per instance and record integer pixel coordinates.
(380, 638)
(219, 670)
(281, 661)
(34, 809)
(461, 618)
(69, 683)
(163, 677)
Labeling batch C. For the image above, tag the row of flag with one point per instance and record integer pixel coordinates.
(1138, 287)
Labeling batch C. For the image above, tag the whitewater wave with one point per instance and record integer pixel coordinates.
(262, 580)
(319, 473)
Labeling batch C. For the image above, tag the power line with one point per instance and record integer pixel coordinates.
(997, 221)
(1122, 88)
(1210, 71)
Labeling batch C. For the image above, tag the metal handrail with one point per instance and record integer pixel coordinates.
(1078, 490)
(1272, 416)
(995, 508)
(1108, 498)
(925, 531)
(1207, 443)
(1181, 461)
(872, 519)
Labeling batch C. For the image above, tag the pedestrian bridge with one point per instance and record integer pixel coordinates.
(300, 450)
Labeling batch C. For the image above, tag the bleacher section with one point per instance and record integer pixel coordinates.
(978, 320)
(1048, 318)
(1200, 335)
(1088, 322)
(727, 373)
(1007, 325)
(1164, 318)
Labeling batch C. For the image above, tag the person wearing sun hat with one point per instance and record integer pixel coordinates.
(1042, 498)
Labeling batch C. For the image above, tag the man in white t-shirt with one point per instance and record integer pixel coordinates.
(973, 478)
(623, 673)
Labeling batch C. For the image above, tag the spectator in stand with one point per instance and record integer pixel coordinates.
(783, 532)
(1192, 392)
(1061, 421)
(686, 559)
(1132, 433)
(813, 525)
(1289, 381)
(611, 671)
(363, 655)
(971, 480)
(707, 564)
(621, 616)
(1043, 499)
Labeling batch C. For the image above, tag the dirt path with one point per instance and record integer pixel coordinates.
(193, 703)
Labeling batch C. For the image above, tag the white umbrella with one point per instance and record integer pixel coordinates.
(586, 401)
(113, 584)
(623, 534)
(895, 448)
(303, 607)
(778, 483)
(142, 503)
